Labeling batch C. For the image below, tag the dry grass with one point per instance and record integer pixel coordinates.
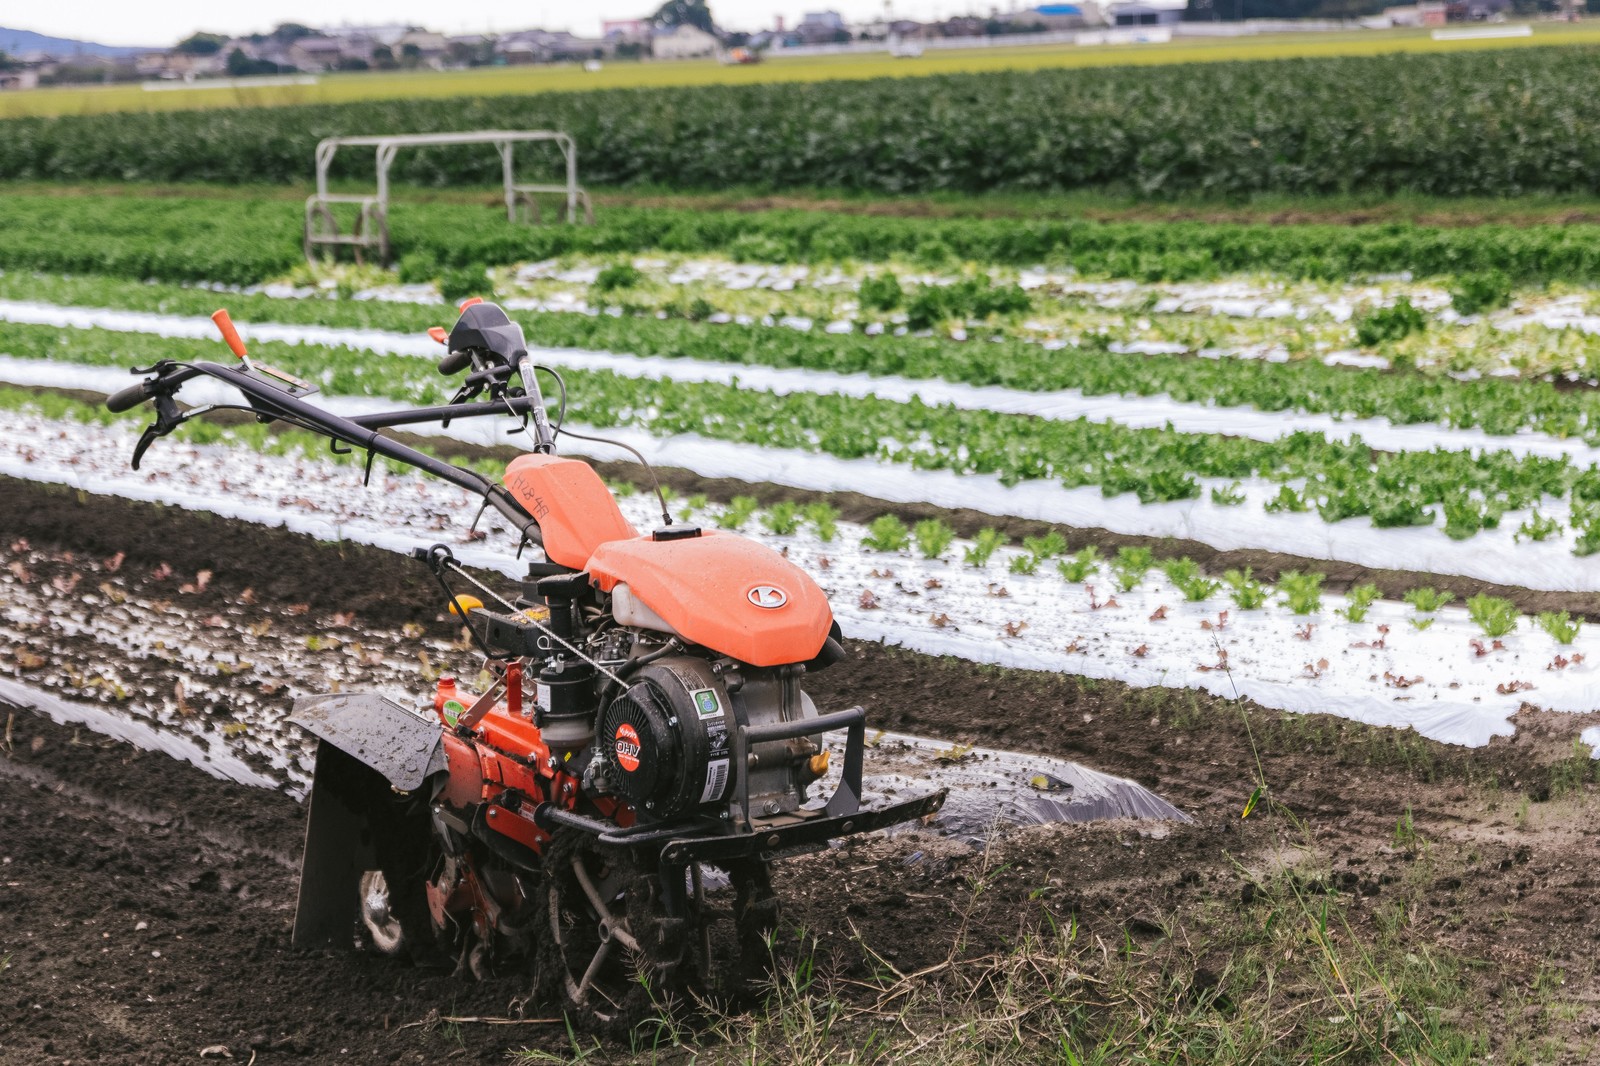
(1287, 978)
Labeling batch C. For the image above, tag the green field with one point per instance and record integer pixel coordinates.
(245, 240)
(341, 88)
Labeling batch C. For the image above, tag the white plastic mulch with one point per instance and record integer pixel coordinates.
(1435, 680)
(1490, 555)
(1139, 412)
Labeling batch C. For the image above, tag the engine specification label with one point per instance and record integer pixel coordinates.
(708, 706)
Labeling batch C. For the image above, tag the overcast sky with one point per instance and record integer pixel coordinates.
(167, 21)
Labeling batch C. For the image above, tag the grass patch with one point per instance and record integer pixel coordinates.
(1289, 977)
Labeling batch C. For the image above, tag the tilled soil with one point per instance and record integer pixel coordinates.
(145, 907)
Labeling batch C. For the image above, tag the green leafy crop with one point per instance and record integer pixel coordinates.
(886, 533)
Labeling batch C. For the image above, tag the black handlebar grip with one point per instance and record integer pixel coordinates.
(129, 398)
(454, 362)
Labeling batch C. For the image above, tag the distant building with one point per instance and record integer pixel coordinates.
(316, 53)
(626, 29)
(964, 26)
(543, 46)
(822, 27)
(1146, 12)
(384, 33)
(175, 65)
(1055, 17)
(1421, 14)
(424, 45)
(683, 42)
(822, 20)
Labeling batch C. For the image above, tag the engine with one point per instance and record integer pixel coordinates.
(666, 738)
(665, 742)
(668, 745)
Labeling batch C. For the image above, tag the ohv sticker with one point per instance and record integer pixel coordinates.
(627, 747)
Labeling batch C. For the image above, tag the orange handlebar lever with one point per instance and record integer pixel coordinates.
(470, 301)
(230, 335)
(439, 333)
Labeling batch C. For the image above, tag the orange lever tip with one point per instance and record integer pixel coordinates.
(230, 335)
(470, 301)
(438, 333)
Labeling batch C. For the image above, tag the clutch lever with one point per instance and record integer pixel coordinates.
(168, 418)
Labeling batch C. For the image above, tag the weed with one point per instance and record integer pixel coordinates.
(1573, 772)
(933, 536)
(1495, 616)
(1405, 832)
(886, 533)
(1298, 984)
(694, 503)
(984, 545)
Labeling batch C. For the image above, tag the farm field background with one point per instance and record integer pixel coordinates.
(1501, 123)
(1411, 408)
(493, 81)
(1283, 504)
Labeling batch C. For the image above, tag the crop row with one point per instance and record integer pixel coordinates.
(1338, 480)
(245, 241)
(1473, 123)
(1494, 405)
(1125, 570)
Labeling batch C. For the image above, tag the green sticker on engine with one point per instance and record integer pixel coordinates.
(706, 702)
(453, 710)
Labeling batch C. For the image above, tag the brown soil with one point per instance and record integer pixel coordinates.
(145, 907)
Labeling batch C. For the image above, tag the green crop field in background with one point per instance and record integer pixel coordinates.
(1466, 124)
(492, 81)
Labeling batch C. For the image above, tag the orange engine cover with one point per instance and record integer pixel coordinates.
(726, 593)
(574, 509)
